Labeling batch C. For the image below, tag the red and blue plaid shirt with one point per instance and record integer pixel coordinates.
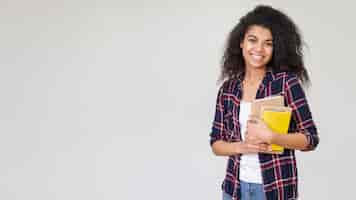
(279, 171)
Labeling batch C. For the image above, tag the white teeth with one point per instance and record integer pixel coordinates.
(256, 57)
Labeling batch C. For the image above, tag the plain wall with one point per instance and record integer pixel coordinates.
(115, 99)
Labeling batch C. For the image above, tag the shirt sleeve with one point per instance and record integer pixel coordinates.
(218, 131)
(301, 113)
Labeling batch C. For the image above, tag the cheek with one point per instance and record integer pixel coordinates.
(269, 52)
(245, 52)
(246, 46)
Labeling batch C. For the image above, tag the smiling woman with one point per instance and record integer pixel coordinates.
(263, 57)
(257, 46)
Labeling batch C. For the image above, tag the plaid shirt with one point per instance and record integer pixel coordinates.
(279, 172)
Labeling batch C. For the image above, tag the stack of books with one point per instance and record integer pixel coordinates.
(276, 116)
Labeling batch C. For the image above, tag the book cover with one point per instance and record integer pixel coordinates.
(267, 101)
(277, 118)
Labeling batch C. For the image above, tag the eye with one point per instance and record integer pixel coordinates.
(269, 44)
(251, 40)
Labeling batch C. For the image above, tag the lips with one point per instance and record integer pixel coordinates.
(257, 57)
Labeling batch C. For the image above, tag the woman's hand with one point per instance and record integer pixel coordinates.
(258, 131)
(247, 148)
(223, 148)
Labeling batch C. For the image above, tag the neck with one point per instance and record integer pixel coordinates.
(254, 75)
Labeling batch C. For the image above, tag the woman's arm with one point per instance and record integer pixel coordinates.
(301, 114)
(222, 148)
(290, 141)
(258, 130)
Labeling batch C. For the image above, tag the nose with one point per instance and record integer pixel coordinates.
(259, 46)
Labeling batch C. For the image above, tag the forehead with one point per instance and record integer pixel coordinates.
(259, 32)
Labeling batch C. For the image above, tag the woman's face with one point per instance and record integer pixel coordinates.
(257, 47)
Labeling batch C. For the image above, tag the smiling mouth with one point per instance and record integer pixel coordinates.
(257, 57)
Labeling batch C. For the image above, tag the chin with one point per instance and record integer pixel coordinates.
(258, 66)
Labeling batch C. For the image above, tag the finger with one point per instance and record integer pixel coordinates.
(252, 135)
(248, 137)
(252, 139)
(252, 124)
(254, 142)
(254, 147)
(268, 150)
(265, 146)
(253, 119)
(262, 147)
(249, 125)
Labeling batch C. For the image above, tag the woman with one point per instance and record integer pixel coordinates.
(263, 57)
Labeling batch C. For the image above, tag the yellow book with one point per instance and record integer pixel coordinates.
(277, 118)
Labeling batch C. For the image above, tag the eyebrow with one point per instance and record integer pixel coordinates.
(250, 35)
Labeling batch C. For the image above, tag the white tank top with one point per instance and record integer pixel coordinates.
(250, 169)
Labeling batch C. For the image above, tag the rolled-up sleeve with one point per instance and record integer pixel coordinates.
(301, 113)
(218, 128)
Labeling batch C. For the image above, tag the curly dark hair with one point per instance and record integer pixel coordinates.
(287, 44)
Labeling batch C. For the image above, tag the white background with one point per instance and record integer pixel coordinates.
(114, 99)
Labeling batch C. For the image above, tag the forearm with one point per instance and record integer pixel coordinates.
(290, 141)
(222, 148)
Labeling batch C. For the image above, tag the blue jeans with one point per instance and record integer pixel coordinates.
(249, 191)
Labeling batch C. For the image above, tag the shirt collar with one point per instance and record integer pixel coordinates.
(269, 76)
